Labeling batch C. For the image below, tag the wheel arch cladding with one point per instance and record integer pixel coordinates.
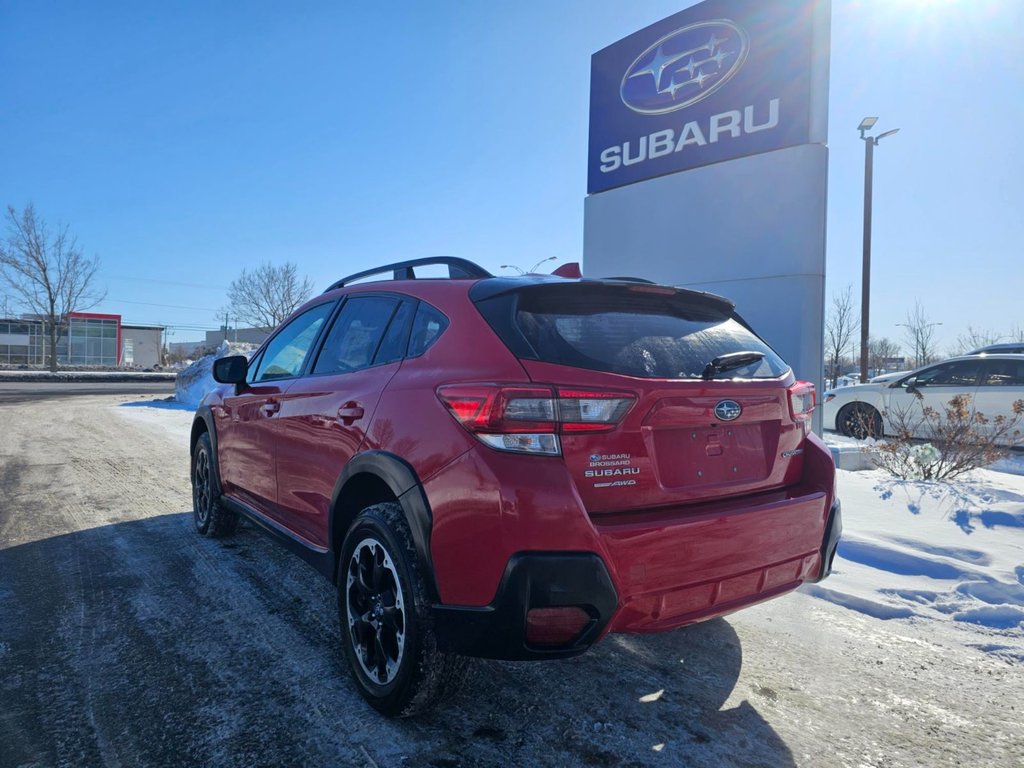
(377, 476)
(203, 424)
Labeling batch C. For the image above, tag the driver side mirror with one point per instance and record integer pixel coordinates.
(911, 385)
(231, 370)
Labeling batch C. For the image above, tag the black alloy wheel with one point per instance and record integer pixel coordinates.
(375, 611)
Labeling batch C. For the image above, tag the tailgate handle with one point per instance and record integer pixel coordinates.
(350, 412)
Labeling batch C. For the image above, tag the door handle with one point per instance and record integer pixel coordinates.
(271, 407)
(350, 412)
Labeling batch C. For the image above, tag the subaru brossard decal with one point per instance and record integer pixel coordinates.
(721, 80)
(728, 410)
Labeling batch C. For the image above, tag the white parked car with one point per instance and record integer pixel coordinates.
(993, 382)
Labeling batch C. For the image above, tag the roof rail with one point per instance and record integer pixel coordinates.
(404, 270)
(631, 280)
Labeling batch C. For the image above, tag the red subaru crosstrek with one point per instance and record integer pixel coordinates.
(512, 468)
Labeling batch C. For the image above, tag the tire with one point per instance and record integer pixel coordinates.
(210, 516)
(386, 625)
(859, 421)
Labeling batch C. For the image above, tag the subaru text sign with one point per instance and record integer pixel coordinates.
(720, 80)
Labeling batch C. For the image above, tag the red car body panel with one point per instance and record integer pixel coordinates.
(691, 516)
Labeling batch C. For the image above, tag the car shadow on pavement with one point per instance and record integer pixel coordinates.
(142, 643)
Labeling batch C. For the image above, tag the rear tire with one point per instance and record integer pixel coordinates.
(386, 625)
(211, 517)
(860, 421)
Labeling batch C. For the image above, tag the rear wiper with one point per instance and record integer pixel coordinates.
(731, 361)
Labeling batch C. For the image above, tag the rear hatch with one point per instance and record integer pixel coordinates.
(692, 432)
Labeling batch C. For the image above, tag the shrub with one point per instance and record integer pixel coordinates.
(956, 439)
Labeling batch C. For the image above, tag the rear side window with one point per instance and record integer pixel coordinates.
(427, 327)
(1002, 373)
(635, 332)
(356, 334)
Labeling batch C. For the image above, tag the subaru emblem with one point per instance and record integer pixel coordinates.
(684, 66)
(728, 410)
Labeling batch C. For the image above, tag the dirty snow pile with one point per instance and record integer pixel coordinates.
(192, 384)
(924, 550)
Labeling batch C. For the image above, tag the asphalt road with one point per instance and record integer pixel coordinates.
(20, 392)
(128, 640)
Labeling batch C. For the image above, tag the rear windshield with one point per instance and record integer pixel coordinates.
(635, 333)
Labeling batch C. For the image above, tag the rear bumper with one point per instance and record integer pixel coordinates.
(531, 580)
(551, 579)
(694, 567)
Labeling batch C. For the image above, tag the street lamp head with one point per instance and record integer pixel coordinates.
(867, 123)
(881, 136)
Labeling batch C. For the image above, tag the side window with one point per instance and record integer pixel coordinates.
(1002, 373)
(254, 366)
(393, 346)
(426, 328)
(287, 351)
(356, 334)
(963, 373)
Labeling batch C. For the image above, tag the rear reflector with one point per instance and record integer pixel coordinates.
(528, 419)
(555, 626)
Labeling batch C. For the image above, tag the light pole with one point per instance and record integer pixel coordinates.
(532, 270)
(870, 142)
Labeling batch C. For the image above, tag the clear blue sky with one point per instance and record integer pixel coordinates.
(183, 141)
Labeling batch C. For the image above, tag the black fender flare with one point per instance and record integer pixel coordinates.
(205, 415)
(402, 480)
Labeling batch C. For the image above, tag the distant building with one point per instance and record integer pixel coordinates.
(141, 345)
(245, 335)
(20, 342)
(91, 339)
(182, 349)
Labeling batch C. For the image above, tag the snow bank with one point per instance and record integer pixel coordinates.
(932, 550)
(192, 384)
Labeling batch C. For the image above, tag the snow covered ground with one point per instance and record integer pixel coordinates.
(168, 417)
(930, 551)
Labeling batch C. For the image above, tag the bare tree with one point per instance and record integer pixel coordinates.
(266, 295)
(47, 273)
(1016, 334)
(840, 327)
(974, 339)
(920, 335)
(880, 351)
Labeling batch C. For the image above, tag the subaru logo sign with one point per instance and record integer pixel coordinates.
(728, 410)
(684, 66)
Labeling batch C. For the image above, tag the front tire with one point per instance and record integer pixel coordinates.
(210, 516)
(386, 626)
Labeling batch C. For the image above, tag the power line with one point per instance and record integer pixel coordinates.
(151, 304)
(162, 282)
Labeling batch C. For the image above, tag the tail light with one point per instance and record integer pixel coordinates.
(555, 626)
(528, 419)
(802, 401)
